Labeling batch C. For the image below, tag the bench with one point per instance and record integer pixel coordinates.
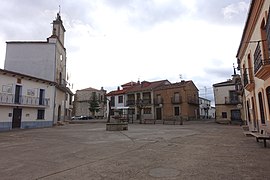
(261, 136)
(169, 120)
(149, 120)
(246, 130)
(174, 120)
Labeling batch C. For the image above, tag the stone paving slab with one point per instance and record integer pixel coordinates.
(196, 150)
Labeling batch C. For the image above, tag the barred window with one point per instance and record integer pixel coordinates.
(41, 114)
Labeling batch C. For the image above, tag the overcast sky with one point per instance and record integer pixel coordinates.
(111, 42)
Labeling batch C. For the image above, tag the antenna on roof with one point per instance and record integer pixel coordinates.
(59, 10)
(180, 76)
(234, 72)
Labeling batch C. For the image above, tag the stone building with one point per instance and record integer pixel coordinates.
(157, 100)
(140, 99)
(177, 100)
(82, 101)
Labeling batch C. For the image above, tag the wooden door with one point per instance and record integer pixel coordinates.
(17, 117)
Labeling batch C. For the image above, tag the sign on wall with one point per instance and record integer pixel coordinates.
(31, 92)
(7, 88)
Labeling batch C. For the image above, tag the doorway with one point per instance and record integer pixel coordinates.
(18, 91)
(17, 118)
(59, 113)
(41, 97)
(236, 115)
(158, 114)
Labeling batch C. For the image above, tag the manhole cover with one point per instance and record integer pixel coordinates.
(163, 172)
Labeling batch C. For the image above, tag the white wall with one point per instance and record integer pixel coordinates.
(4, 114)
(204, 103)
(35, 59)
(29, 112)
(221, 92)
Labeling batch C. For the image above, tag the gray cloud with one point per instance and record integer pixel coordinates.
(223, 11)
(146, 13)
(30, 19)
(142, 14)
(24, 20)
(219, 72)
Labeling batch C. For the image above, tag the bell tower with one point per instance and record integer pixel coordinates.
(57, 38)
(58, 29)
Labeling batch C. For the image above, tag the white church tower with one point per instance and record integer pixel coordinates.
(44, 60)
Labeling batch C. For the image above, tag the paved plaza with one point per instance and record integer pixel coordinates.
(195, 150)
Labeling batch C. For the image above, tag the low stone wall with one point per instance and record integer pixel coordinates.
(123, 126)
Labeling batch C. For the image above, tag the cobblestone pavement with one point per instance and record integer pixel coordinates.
(195, 150)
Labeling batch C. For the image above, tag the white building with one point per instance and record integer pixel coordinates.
(44, 60)
(25, 101)
(205, 106)
(118, 101)
(228, 101)
(212, 112)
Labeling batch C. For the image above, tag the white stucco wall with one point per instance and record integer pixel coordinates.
(35, 59)
(4, 114)
(221, 92)
(30, 89)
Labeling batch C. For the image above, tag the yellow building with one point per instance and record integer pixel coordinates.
(254, 65)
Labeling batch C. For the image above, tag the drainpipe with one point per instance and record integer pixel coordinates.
(54, 103)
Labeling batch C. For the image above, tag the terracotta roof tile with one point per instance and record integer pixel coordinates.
(146, 86)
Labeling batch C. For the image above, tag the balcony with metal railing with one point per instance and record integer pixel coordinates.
(248, 83)
(144, 101)
(12, 99)
(262, 68)
(130, 102)
(233, 101)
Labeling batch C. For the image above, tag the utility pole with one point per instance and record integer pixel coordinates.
(205, 91)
